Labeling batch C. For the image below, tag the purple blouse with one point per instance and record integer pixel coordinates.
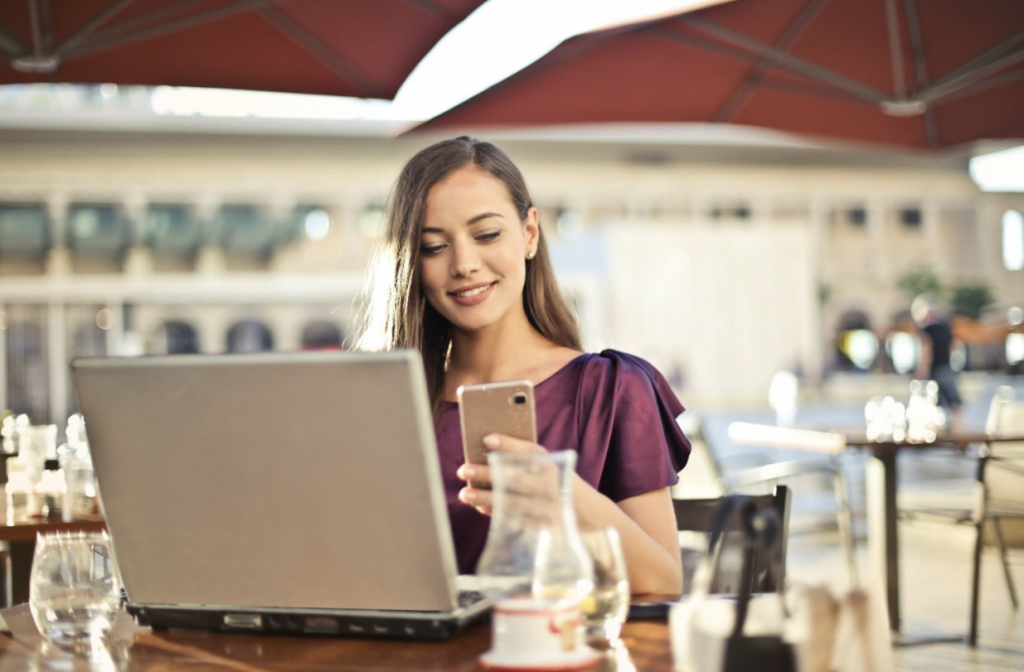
(615, 410)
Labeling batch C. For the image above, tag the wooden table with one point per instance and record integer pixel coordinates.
(135, 648)
(881, 484)
(28, 531)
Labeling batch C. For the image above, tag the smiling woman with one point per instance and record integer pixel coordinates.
(463, 275)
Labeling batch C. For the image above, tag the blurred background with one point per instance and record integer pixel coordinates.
(701, 214)
(748, 193)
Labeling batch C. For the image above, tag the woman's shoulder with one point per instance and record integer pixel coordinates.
(621, 366)
(612, 375)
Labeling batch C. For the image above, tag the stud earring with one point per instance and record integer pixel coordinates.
(529, 255)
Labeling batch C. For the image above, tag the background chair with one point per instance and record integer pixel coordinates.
(695, 515)
(704, 477)
(1000, 481)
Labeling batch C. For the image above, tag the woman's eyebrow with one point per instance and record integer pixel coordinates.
(472, 221)
(482, 216)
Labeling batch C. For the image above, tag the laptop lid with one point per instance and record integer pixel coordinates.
(299, 480)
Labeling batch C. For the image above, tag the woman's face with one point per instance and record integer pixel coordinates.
(473, 250)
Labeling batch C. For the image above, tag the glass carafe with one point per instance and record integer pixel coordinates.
(534, 546)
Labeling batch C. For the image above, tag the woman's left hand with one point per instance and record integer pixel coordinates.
(479, 495)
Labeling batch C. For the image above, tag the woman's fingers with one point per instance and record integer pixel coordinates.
(481, 500)
(510, 445)
(479, 474)
(530, 488)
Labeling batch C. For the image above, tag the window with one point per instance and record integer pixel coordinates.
(249, 336)
(857, 217)
(97, 228)
(1013, 240)
(910, 218)
(174, 337)
(246, 230)
(171, 228)
(24, 229)
(322, 335)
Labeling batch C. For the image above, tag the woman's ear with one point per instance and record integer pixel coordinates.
(531, 229)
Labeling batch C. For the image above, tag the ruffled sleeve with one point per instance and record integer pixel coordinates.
(629, 440)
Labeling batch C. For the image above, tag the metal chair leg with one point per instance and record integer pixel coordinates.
(844, 519)
(1006, 562)
(972, 636)
(980, 515)
(5, 551)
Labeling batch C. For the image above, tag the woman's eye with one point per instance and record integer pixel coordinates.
(488, 237)
(431, 250)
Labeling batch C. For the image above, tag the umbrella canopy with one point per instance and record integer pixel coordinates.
(334, 47)
(914, 73)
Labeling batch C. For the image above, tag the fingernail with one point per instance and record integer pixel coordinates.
(467, 495)
(467, 472)
(492, 441)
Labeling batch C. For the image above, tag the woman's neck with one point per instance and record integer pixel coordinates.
(511, 349)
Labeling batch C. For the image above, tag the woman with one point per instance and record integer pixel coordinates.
(464, 276)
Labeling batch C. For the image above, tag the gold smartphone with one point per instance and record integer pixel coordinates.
(495, 408)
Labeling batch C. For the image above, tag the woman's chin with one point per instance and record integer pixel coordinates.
(470, 323)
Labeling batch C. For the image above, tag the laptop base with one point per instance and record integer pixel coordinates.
(376, 625)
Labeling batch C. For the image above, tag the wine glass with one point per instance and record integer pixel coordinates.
(75, 589)
(605, 608)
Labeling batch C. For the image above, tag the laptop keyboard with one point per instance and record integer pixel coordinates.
(467, 598)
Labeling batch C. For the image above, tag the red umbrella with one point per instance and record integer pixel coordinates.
(914, 73)
(336, 47)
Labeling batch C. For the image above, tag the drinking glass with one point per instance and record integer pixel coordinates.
(36, 444)
(74, 590)
(605, 608)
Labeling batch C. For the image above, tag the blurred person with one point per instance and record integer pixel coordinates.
(936, 349)
(464, 276)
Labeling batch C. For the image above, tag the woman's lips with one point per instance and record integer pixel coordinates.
(473, 296)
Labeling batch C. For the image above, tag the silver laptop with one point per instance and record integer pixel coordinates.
(293, 493)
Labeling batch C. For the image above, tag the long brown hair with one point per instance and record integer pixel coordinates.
(396, 313)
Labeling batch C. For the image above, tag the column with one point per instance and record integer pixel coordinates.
(818, 225)
(57, 363)
(932, 237)
(58, 257)
(138, 259)
(210, 257)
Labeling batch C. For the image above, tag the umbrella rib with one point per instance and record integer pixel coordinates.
(804, 90)
(171, 26)
(426, 6)
(146, 20)
(92, 25)
(37, 29)
(789, 37)
(321, 52)
(718, 48)
(931, 129)
(787, 61)
(895, 49)
(46, 24)
(11, 44)
(984, 85)
(948, 85)
(981, 64)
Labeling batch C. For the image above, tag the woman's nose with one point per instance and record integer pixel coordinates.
(465, 260)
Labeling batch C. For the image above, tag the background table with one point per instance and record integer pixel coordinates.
(882, 480)
(881, 490)
(646, 650)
